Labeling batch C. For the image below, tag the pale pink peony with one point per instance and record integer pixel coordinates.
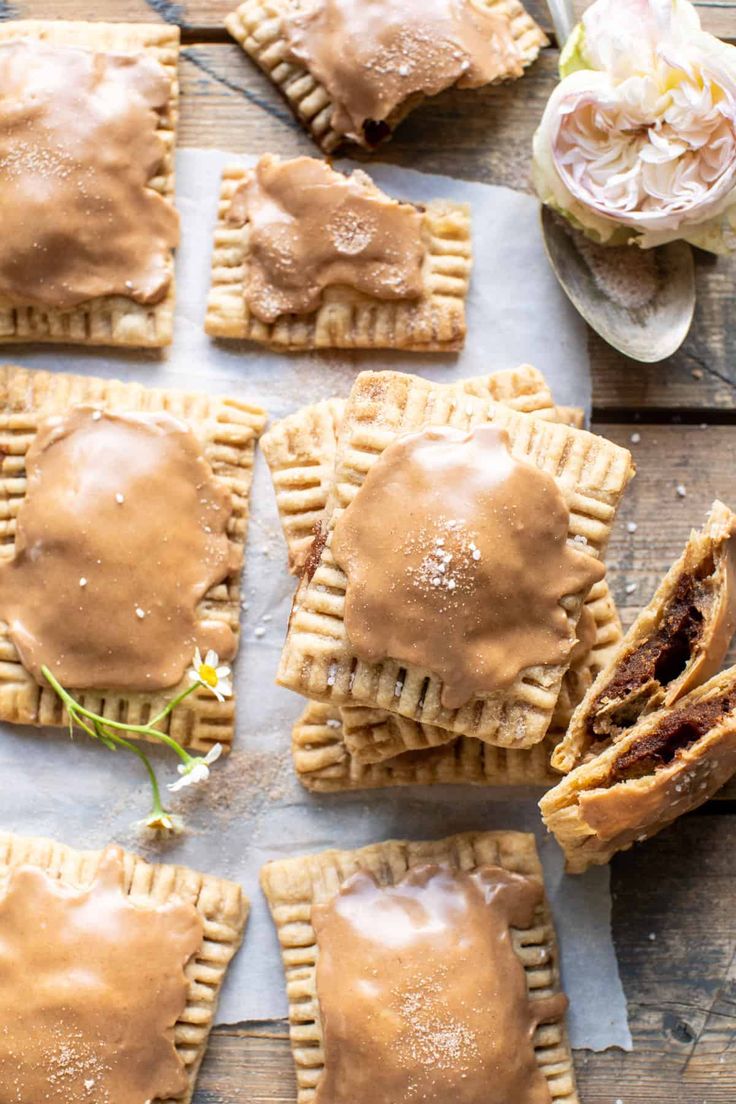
(645, 138)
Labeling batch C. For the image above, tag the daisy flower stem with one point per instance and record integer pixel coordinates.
(173, 703)
(76, 710)
(157, 808)
(204, 674)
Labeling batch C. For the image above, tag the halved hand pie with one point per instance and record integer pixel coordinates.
(677, 642)
(668, 763)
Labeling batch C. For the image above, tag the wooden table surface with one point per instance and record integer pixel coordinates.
(674, 906)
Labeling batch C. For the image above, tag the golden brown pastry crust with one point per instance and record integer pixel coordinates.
(348, 319)
(228, 430)
(324, 765)
(317, 660)
(293, 886)
(256, 26)
(632, 790)
(300, 450)
(108, 320)
(710, 555)
(221, 905)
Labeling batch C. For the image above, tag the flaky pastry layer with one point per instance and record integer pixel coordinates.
(110, 319)
(669, 763)
(228, 430)
(324, 765)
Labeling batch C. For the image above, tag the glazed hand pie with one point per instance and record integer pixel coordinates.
(127, 967)
(300, 450)
(423, 971)
(670, 762)
(122, 546)
(677, 642)
(328, 656)
(87, 118)
(307, 257)
(351, 70)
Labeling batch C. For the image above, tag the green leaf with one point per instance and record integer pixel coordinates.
(573, 56)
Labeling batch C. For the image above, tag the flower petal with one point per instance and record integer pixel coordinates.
(213, 754)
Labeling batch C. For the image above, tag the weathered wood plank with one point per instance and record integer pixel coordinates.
(698, 461)
(674, 903)
(207, 16)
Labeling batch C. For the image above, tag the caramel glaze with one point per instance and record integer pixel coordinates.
(311, 228)
(121, 533)
(374, 55)
(78, 147)
(421, 994)
(457, 558)
(91, 987)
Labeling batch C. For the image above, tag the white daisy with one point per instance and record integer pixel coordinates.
(196, 770)
(209, 673)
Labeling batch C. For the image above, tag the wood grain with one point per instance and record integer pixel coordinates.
(205, 17)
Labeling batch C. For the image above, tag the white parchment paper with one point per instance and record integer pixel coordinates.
(253, 809)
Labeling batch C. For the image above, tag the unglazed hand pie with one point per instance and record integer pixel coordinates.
(88, 117)
(677, 642)
(126, 970)
(452, 941)
(668, 763)
(306, 257)
(385, 412)
(351, 70)
(122, 546)
(300, 450)
(324, 764)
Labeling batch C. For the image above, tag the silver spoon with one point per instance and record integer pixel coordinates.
(641, 301)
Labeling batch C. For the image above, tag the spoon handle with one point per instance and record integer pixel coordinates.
(563, 19)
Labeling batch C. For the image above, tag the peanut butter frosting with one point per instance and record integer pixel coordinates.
(91, 987)
(457, 560)
(373, 55)
(421, 994)
(78, 149)
(310, 228)
(120, 535)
